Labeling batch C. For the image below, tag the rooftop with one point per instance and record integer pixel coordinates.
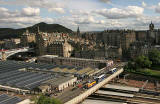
(71, 58)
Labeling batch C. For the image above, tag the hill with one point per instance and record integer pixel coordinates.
(6, 33)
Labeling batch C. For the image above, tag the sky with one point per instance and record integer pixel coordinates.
(89, 15)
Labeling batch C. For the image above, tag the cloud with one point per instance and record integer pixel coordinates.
(157, 8)
(105, 1)
(88, 14)
(47, 4)
(85, 20)
(58, 10)
(144, 4)
(116, 13)
(18, 19)
(30, 11)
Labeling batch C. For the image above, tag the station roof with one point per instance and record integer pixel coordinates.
(120, 87)
(72, 58)
(114, 93)
(60, 80)
(5, 99)
(91, 101)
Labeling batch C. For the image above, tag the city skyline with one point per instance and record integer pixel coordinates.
(89, 15)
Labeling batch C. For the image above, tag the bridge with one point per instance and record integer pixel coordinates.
(90, 91)
(11, 52)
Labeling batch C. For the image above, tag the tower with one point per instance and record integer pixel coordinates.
(38, 29)
(78, 31)
(151, 26)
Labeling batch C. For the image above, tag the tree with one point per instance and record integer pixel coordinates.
(154, 56)
(46, 100)
(143, 62)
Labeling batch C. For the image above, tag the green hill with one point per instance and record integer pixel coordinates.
(6, 33)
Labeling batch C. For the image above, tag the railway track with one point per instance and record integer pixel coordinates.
(137, 99)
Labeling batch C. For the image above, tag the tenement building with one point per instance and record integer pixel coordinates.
(117, 42)
(27, 38)
(152, 35)
(138, 48)
(53, 44)
(129, 42)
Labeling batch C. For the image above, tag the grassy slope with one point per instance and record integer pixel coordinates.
(147, 72)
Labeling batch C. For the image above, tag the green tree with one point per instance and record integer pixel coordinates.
(46, 100)
(154, 56)
(143, 62)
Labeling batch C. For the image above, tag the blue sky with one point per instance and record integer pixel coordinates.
(89, 15)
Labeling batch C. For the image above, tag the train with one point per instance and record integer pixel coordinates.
(112, 70)
(95, 81)
(91, 84)
(100, 78)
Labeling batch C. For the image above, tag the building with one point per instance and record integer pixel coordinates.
(57, 84)
(60, 48)
(53, 44)
(113, 52)
(27, 39)
(117, 42)
(78, 62)
(138, 48)
(121, 43)
(11, 43)
(152, 35)
(18, 77)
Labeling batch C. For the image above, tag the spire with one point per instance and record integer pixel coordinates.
(151, 26)
(38, 29)
(78, 31)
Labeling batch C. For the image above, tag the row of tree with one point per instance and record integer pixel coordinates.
(153, 59)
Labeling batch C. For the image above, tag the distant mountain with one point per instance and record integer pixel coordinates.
(6, 33)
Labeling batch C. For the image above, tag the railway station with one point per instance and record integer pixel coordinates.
(121, 88)
(14, 78)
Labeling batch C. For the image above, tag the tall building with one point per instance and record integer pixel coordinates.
(78, 31)
(117, 42)
(53, 44)
(151, 26)
(27, 38)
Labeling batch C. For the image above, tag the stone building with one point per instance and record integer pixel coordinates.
(132, 42)
(27, 38)
(53, 44)
(113, 52)
(141, 35)
(11, 43)
(112, 37)
(117, 42)
(138, 48)
(60, 48)
(152, 35)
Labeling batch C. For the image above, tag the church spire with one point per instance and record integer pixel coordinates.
(151, 26)
(38, 29)
(78, 31)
